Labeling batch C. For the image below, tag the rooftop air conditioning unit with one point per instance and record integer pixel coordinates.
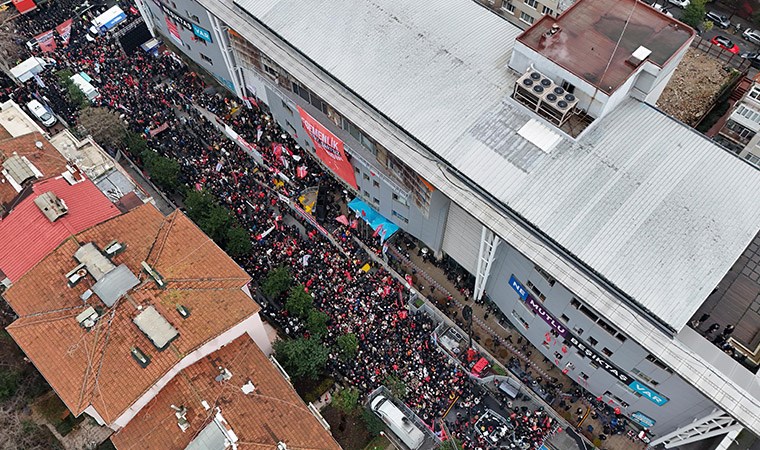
(528, 89)
(558, 104)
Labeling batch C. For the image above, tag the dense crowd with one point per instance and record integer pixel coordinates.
(152, 93)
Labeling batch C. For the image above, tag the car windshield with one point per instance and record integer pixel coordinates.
(725, 42)
(46, 116)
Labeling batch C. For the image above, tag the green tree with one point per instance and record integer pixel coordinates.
(135, 144)
(299, 302)
(214, 219)
(396, 385)
(238, 241)
(278, 281)
(9, 381)
(450, 444)
(302, 358)
(317, 323)
(346, 400)
(348, 345)
(694, 14)
(163, 171)
(373, 423)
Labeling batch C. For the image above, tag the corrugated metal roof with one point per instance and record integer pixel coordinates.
(639, 197)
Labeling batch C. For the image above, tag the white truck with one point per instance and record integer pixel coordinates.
(398, 423)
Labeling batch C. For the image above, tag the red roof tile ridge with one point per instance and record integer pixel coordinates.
(162, 235)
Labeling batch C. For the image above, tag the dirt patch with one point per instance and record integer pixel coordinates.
(694, 87)
(350, 431)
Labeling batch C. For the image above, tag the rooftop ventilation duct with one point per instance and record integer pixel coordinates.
(18, 170)
(51, 206)
(112, 282)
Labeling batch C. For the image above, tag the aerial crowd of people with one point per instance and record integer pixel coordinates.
(150, 92)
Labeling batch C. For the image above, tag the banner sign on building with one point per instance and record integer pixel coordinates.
(64, 31)
(600, 361)
(518, 287)
(329, 148)
(202, 33)
(539, 309)
(173, 31)
(181, 21)
(46, 41)
(643, 420)
(24, 6)
(648, 393)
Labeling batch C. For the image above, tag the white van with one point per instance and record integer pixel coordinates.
(41, 113)
(399, 424)
(82, 81)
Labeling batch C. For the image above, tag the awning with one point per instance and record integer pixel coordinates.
(479, 366)
(382, 226)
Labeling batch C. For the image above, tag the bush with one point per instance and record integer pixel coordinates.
(302, 358)
(9, 381)
(373, 423)
(346, 400)
(163, 171)
(213, 219)
(135, 144)
(316, 392)
(348, 345)
(299, 302)
(498, 370)
(277, 282)
(238, 241)
(317, 323)
(694, 14)
(396, 385)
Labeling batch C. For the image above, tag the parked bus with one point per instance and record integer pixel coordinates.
(398, 422)
(106, 21)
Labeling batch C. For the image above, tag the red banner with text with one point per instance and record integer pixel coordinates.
(329, 148)
(46, 41)
(24, 6)
(64, 31)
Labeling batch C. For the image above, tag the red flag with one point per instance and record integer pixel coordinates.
(46, 41)
(24, 6)
(329, 148)
(64, 31)
(301, 171)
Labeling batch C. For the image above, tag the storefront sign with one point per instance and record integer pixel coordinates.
(181, 21)
(648, 393)
(329, 148)
(518, 287)
(643, 420)
(202, 33)
(538, 308)
(600, 360)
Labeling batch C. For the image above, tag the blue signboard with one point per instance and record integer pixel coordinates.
(521, 291)
(113, 22)
(202, 33)
(643, 420)
(648, 393)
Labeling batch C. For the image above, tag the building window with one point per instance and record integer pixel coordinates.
(375, 184)
(399, 216)
(366, 177)
(644, 376)
(532, 3)
(546, 10)
(356, 169)
(557, 355)
(536, 290)
(271, 71)
(401, 199)
(749, 113)
(753, 159)
(527, 18)
(755, 92)
(590, 314)
(520, 319)
(580, 354)
(508, 7)
(651, 358)
(195, 19)
(207, 59)
(575, 303)
(578, 331)
(583, 375)
(593, 364)
(564, 318)
(376, 201)
(592, 341)
(569, 87)
(607, 351)
(546, 275)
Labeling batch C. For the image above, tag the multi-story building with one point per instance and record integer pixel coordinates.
(740, 130)
(538, 162)
(525, 13)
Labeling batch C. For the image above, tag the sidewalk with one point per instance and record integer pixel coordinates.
(486, 329)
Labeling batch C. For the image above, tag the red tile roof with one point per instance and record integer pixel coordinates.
(47, 159)
(272, 413)
(28, 236)
(95, 367)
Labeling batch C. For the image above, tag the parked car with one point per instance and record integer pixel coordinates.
(725, 43)
(662, 9)
(718, 20)
(752, 35)
(41, 113)
(680, 3)
(754, 59)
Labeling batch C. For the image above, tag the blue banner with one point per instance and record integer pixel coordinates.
(521, 291)
(202, 33)
(643, 420)
(648, 393)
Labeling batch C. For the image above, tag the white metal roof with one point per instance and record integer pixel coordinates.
(640, 198)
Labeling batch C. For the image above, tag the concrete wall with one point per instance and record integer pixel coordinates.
(684, 404)
(195, 48)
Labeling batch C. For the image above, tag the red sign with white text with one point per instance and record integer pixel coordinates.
(24, 6)
(329, 148)
(64, 31)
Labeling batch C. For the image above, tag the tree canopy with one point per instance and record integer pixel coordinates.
(301, 358)
(299, 302)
